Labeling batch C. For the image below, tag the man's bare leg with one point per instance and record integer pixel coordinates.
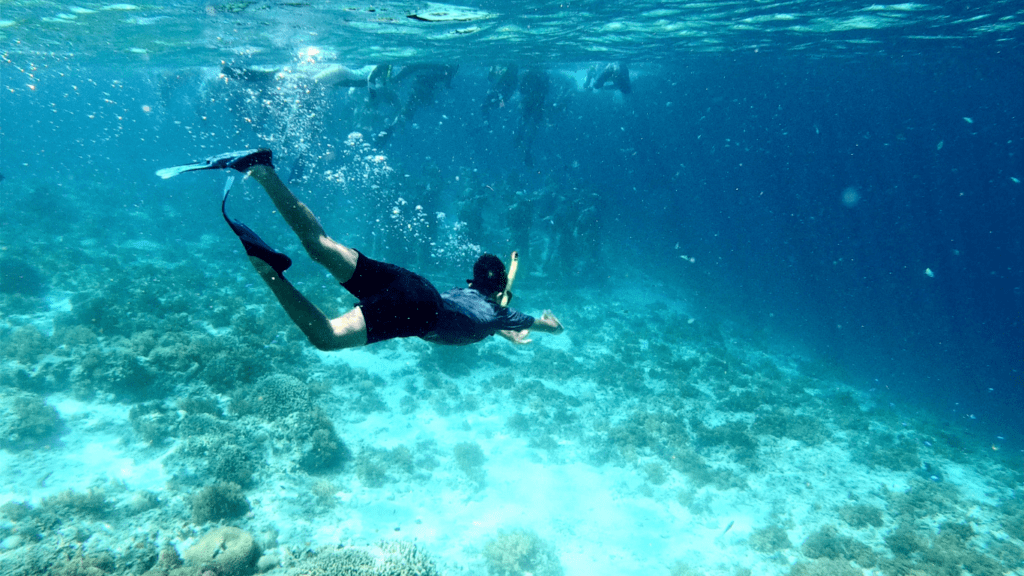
(346, 331)
(340, 260)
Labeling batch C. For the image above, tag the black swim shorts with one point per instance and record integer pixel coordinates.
(396, 303)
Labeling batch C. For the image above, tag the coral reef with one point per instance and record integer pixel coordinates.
(371, 467)
(19, 277)
(470, 459)
(320, 448)
(886, 450)
(948, 553)
(452, 361)
(26, 421)
(153, 422)
(220, 501)
(733, 435)
(386, 558)
(209, 448)
(521, 552)
(782, 423)
(828, 543)
(273, 397)
(93, 504)
(26, 344)
(862, 516)
(825, 567)
(770, 539)
(655, 473)
(225, 551)
(681, 568)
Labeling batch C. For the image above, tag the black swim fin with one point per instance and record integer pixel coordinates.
(253, 244)
(241, 160)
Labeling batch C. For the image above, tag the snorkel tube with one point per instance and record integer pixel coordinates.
(513, 266)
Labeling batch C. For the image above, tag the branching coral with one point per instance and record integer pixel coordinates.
(218, 502)
(770, 539)
(469, 458)
(28, 422)
(521, 552)
(828, 543)
(26, 344)
(386, 558)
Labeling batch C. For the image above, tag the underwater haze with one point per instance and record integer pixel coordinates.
(785, 240)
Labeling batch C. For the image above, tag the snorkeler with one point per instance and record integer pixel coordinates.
(376, 81)
(613, 77)
(503, 83)
(393, 302)
(533, 88)
(427, 77)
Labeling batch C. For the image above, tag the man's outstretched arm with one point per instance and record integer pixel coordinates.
(546, 323)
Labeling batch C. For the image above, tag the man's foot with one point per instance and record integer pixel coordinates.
(257, 248)
(253, 244)
(241, 161)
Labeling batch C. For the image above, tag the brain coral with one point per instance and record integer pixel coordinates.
(273, 397)
(225, 551)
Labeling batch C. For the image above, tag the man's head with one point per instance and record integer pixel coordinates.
(489, 276)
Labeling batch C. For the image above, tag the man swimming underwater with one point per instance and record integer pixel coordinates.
(393, 302)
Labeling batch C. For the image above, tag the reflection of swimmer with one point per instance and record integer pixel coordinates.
(533, 89)
(393, 302)
(612, 77)
(260, 76)
(426, 79)
(377, 83)
(376, 80)
(504, 80)
(340, 75)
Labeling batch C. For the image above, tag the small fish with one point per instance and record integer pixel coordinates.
(727, 528)
(939, 145)
(1014, 178)
(928, 272)
(968, 119)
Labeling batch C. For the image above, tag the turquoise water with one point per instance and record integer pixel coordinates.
(788, 259)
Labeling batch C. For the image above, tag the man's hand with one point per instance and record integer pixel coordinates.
(516, 336)
(550, 323)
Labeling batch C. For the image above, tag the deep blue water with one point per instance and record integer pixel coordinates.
(741, 159)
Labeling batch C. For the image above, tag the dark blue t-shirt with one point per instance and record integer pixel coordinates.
(467, 317)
